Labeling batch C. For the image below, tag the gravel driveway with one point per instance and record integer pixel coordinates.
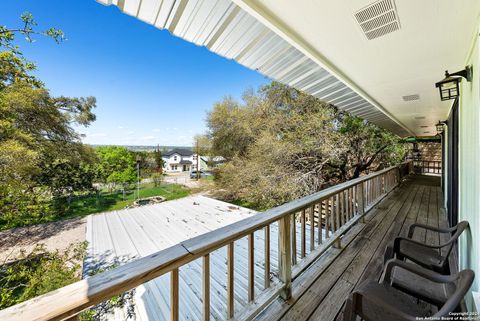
(56, 235)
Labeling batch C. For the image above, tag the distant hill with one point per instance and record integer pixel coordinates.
(144, 148)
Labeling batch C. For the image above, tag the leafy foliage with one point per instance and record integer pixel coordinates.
(102, 310)
(39, 272)
(116, 165)
(13, 66)
(282, 144)
(159, 162)
(38, 144)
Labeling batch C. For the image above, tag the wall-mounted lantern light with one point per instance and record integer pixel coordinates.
(439, 126)
(449, 87)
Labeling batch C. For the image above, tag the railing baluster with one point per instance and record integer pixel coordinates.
(350, 202)
(230, 279)
(267, 257)
(327, 220)
(337, 217)
(342, 207)
(206, 287)
(303, 235)
(312, 227)
(360, 202)
(319, 225)
(337, 211)
(251, 267)
(285, 266)
(174, 295)
(294, 238)
(354, 202)
(332, 215)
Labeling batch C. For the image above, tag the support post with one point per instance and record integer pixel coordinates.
(285, 257)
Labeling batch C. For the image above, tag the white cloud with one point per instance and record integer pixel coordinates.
(156, 130)
(120, 127)
(148, 137)
(131, 132)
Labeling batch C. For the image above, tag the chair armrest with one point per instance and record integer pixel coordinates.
(418, 270)
(357, 297)
(412, 227)
(398, 239)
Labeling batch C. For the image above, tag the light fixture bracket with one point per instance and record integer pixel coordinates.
(439, 126)
(466, 73)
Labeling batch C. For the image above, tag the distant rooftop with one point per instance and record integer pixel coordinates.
(179, 151)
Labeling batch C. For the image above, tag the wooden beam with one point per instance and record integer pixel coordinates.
(267, 257)
(312, 227)
(303, 234)
(251, 267)
(285, 257)
(294, 238)
(174, 295)
(230, 281)
(360, 201)
(206, 287)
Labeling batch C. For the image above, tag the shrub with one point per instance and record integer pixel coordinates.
(39, 272)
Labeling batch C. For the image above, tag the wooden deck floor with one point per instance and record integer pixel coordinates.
(320, 292)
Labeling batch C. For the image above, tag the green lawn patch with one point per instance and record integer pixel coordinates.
(104, 202)
(83, 205)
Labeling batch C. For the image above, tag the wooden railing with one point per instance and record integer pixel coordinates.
(427, 167)
(306, 228)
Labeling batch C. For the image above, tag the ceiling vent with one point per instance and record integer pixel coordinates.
(424, 126)
(411, 97)
(420, 117)
(378, 19)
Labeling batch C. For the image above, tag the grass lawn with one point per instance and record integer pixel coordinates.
(115, 201)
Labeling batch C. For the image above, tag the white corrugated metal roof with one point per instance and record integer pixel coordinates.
(122, 236)
(226, 29)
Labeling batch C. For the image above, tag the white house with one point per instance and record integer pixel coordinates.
(182, 160)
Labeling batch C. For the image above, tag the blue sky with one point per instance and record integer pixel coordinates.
(151, 87)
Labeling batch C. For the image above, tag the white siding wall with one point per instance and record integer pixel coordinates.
(469, 168)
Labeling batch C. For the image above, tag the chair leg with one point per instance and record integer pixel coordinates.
(388, 254)
(349, 311)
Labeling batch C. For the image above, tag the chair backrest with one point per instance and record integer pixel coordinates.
(463, 282)
(459, 228)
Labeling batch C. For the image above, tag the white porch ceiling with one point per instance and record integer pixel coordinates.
(318, 47)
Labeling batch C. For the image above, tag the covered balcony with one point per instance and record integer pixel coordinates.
(297, 261)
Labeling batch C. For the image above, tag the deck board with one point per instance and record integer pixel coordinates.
(320, 292)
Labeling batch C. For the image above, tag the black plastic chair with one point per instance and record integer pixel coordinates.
(428, 256)
(375, 301)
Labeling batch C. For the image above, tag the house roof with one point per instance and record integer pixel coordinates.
(121, 236)
(185, 162)
(179, 151)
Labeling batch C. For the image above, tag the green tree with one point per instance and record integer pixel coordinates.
(116, 166)
(281, 144)
(36, 134)
(13, 66)
(159, 162)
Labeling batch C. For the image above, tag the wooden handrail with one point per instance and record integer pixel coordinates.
(70, 300)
